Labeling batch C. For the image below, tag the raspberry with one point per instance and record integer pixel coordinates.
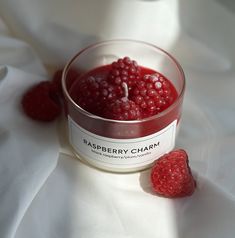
(57, 77)
(153, 94)
(93, 93)
(56, 82)
(40, 103)
(122, 109)
(124, 70)
(171, 175)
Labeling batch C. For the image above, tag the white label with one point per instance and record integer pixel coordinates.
(121, 153)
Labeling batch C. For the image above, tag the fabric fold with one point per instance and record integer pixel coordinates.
(28, 150)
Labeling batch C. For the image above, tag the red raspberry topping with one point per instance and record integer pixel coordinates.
(149, 92)
(153, 94)
(122, 109)
(124, 70)
(93, 93)
(171, 175)
(40, 103)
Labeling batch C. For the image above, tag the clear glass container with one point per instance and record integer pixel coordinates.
(122, 146)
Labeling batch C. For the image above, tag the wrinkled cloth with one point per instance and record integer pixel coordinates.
(46, 192)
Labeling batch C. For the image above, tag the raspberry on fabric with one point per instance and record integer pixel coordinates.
(124, 70)
(40, 103)
(57, 80)
(171, 175)
(153, 94)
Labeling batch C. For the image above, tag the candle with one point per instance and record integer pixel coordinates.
(124, 105)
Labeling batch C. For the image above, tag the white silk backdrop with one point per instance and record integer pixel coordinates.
(45, 192)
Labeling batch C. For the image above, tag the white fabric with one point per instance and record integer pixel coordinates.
(45, 192)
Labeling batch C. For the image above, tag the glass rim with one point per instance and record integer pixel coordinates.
(86, 113)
